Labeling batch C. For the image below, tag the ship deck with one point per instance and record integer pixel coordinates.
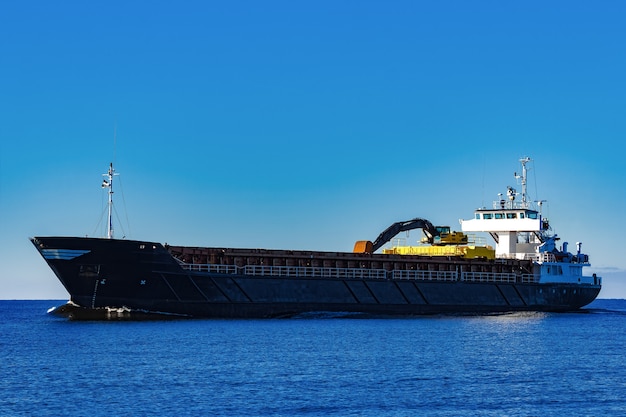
(347, 265)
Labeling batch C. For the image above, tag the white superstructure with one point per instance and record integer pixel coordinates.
(521, 232)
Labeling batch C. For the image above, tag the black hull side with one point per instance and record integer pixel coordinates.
(112, 279)
(478, 299)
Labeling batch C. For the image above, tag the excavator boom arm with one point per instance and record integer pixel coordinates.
(427, 227)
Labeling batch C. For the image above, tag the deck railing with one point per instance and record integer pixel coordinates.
(315, 272)
(359, 273)
(488, 277)
(216, 269)
(425, 275)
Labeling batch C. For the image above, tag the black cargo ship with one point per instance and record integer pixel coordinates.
(111, 278)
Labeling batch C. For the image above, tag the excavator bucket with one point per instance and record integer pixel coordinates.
(363, 246)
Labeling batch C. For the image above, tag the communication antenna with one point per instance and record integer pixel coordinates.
(115, 142)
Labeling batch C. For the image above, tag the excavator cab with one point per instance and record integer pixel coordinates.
(446, 237)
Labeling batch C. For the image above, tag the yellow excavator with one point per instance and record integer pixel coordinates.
(437, 241)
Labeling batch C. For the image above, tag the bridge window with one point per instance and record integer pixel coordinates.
(487, 216)
(511, 215)
(477, 216)
(521, 215)
(499, 215)
(531, 215)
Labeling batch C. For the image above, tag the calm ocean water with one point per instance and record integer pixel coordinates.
(524, 364)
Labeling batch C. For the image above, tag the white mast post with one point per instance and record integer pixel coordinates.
(524, 161)
(108, 183)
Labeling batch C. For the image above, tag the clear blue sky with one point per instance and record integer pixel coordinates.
(306, 124)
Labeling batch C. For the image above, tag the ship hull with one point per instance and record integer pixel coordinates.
(117, 279)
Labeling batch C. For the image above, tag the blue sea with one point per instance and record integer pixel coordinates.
(522, 364)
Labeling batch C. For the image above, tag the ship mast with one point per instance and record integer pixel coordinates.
(524, 161)
(108, 183)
